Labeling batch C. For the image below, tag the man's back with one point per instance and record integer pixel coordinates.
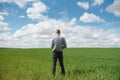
(58, 43)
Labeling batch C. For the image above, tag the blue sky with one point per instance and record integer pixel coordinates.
(99, 17)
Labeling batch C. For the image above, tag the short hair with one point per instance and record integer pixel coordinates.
(58, 31)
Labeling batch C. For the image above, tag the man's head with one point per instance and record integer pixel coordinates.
(57, 32)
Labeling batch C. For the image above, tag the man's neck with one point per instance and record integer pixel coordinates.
(58, 35)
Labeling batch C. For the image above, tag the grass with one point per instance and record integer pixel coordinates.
(80, 64)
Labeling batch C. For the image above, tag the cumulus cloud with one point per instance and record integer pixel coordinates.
(90, 17)
(4, 35)
(21, 16)
(3, 25)
(64, 15)
(41, 33)
(4, 13)
(20, 3)
(5, 39)
(73, 21)
(93, 37)
(1, 18)
(114, 8)
(37, 10)
(97, 2)
(4, 29)
(84, 5)
(36, 35)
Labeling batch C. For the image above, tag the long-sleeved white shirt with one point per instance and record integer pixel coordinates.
(58, 43)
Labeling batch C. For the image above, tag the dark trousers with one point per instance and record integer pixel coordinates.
(59, 56)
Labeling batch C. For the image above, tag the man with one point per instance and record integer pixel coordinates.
(58, 44)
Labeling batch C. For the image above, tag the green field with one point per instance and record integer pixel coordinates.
(80, 64)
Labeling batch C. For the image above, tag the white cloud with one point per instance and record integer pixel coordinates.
(4, 13)
(1, 18)
(35, 35)
(41, 33)
(114, 8)
(21, 16)
(3, 25)
(37, 10)
(4, 35)
(5, 40)
(84, 5)
(1, 22)
(64, 15)
(73, 21)
(4, 29)
(90, 17)
(20, 3)
(97, 2)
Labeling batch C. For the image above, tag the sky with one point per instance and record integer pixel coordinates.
(83, 23)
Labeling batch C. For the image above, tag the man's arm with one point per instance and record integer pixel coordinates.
(52, 45)
(64, 43)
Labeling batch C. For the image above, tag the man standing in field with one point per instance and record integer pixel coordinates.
(58, 44)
